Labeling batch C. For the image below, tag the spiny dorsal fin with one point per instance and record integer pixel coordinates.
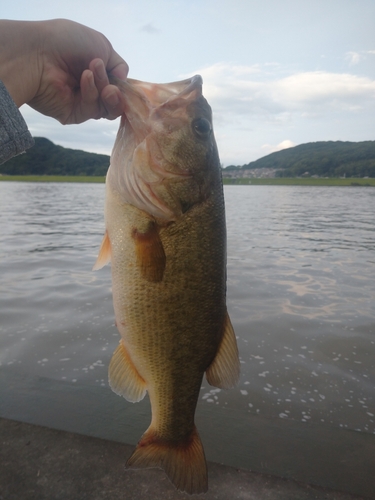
(104, 256)
(184, 463)
(150, 252)
(124, 378)
(224, 371)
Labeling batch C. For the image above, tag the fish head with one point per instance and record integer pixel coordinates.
(165, 154)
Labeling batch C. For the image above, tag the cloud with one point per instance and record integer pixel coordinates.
(353, 58)
(149, 28)
(286, 144)
(323, 88)
(356, 57)
(252, 91)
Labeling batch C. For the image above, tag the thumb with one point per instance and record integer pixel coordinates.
(116, 66)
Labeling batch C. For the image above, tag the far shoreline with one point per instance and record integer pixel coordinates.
(274, 181)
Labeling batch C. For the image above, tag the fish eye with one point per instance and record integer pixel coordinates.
(202, 127)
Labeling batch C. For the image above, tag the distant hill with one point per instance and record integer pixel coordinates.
(46, 158)
(325, 159)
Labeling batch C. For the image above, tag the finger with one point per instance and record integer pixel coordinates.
(116, 66)
(89, 91)
(120, 71)
(100, 74)
(112, 100)
(87, 101)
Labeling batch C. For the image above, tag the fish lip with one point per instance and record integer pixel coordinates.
(143, 90)
(196, 81)
(193, 83)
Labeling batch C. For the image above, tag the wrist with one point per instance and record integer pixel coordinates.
(19, 65)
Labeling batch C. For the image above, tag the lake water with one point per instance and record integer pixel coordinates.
(301, 295)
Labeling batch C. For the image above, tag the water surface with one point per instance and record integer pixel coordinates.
(301, 295)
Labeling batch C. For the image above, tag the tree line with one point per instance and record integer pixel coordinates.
(46, 158)
(324, 159)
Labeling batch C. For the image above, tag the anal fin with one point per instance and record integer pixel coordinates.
(224, 371)
(104, 256)
(124, 378)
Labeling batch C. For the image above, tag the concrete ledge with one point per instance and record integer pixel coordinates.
(37, 463)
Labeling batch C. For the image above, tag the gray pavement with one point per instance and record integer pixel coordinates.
(38, 463)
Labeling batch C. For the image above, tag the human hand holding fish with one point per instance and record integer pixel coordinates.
(60, 68)
(166, 240)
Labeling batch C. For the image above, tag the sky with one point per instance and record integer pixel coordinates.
(277, 73)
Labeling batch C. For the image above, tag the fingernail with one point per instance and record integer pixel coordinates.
(100, 71)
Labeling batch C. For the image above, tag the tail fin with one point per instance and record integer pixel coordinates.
(184, 463)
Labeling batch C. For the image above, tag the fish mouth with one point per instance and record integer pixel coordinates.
(143, 100)
(157, 94)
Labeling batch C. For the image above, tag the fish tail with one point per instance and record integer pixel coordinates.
(184, 463)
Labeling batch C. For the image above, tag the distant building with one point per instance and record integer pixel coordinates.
(253, 173)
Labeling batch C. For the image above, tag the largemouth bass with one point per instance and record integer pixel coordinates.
(166, 240)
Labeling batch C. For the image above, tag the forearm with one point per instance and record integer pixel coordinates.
(19, 63)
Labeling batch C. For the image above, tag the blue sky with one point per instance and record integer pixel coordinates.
(276, 73)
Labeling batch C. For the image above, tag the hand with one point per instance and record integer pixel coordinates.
(60, 68)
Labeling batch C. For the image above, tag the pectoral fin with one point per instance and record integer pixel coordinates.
(104, 256)
(124, 378)
(224, 371)
(150, 252)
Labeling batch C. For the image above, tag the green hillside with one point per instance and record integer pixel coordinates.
(46, 158)
(325, 159)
